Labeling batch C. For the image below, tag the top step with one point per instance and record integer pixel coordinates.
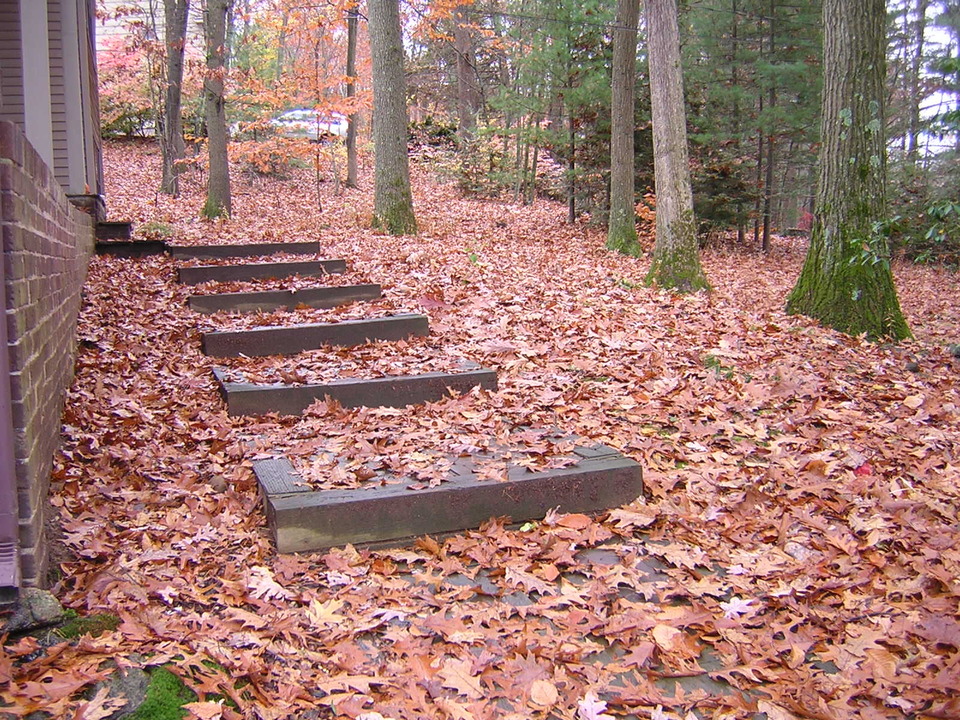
(190, 252)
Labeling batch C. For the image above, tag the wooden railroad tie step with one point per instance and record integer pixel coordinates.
(392, 391)
(255, 271)
(318, 297)
(190, 252)
(302, 519)
(291, 339)
(114, 230)
(130, 248)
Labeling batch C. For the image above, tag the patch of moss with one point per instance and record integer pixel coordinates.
(75, 625)
(166, 695)
(154, 230)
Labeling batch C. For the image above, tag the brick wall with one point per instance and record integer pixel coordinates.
(47, 244)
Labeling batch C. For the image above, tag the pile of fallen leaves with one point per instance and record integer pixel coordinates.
(798, 553)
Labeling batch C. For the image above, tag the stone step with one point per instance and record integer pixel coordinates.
(291, 339)
(318, 297)
(190, 252)
(392, 391)
(256, 271)
(114, 230)
(303, 520)
(130, 248)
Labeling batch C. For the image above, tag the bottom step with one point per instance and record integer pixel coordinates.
(302, 519)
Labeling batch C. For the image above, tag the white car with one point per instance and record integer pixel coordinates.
(310, 124)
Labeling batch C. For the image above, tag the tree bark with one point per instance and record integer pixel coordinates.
(468, 90)
(353, 17)
(846, 281)
(218, 174)
(676, 258)
(622, 226)
(392, 200)
(768, 180)
(172, 148)
(916, 89)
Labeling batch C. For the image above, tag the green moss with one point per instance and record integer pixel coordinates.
(75, 626)
(166, 695)
(845, 293)
(153, 230)
(676, 258)
(398, 219)
(622, 236)
(213, 209)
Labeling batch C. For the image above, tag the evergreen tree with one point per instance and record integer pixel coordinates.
(754, 79)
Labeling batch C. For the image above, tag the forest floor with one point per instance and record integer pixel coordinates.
(797, 553)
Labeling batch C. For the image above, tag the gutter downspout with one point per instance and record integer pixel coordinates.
(9, 517)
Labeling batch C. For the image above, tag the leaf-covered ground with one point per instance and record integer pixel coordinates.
(798, 553)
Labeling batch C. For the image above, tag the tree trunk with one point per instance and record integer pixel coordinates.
(768, 180)
(468, 90)
(393, 200)
(282, 45)
(571, 168)
(622, 226)
(218, 175)
(737, 119)
(916, 80)
(172, 147)
(353, 17)
(846, 280)
(676, 259)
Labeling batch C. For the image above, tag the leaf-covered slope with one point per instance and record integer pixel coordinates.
(798, 553)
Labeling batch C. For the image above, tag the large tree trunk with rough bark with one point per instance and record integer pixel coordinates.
(218, 172)
(676, 255)
(172, 147)
(392, 199)
(622, 227)
(846, 281)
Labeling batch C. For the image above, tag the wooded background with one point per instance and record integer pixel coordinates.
(521, 89)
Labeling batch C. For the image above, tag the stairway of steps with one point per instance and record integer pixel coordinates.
(387, 511)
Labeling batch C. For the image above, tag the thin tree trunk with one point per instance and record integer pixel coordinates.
(737, 118)
(676, 258)
(846, 281)
(172, 149)
(468, 94)
(768, 181)
(353, 17)
(916, 95)
(393, 200)
(532, 188)
(756, 205)
(622, 225)
(282, 44)
(218, 176)
(572, 171)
